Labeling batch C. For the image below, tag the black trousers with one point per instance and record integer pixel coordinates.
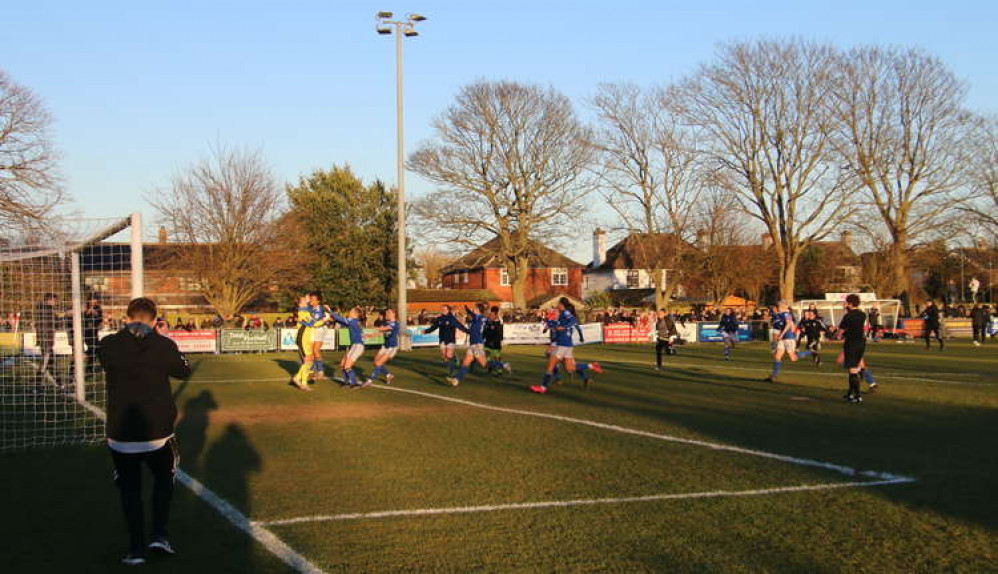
(929, 331)
(662, 346)
(128, 478)
(980, 332)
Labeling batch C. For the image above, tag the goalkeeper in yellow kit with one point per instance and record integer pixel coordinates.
(309, 319)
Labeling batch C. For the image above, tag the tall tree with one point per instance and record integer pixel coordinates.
(902, 130)
(647, 165)
(223, 212)
(349, 227)
(983, 176)
(432, 261)
(762, 109)
(511, 161)
(29, 182)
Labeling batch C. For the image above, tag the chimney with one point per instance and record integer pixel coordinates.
(847, 239)
(599, 247)
(982, 243)
(162, 235)
(767, 241)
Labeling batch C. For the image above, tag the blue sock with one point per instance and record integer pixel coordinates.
(556, 374)
(376, 372)
(461, 372)
(776, 368)
(450, 367)
(867, 376)
(346, 376)
(319, 366)
(384, 370)
(727, 351)
(546, 382)
(581, 369)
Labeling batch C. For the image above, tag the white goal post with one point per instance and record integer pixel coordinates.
(831, 310)
(61, 290)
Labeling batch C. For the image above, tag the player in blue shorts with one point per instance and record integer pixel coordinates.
(566, 325)
(785, 339)
(356, 348)
(390, 328)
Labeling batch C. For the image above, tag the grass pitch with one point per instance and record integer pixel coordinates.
(349, 478)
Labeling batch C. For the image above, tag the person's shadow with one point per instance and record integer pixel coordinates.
(227, 465)
(192, 430)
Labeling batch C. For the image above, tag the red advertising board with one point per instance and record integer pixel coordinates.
(625, 333)
(914, 327)
(195, 341)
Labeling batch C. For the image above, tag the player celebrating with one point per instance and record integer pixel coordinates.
(811, 328)
(390, 327)
(493, 335)
(785, 339)
(476, 343)
(665, 335)
(729, 331)
(852, 326)
(566, 324)
(356, 348)
(320, 318)
(448, 325)
(931, 317)
(305, 348)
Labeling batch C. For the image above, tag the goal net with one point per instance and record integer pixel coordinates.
(61, 290)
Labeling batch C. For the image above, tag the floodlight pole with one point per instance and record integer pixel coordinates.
(401, 28)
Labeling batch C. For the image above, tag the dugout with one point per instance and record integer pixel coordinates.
(831, 309)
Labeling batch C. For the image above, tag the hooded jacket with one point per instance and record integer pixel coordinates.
(139, 363)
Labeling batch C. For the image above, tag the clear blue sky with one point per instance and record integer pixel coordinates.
(141, 89)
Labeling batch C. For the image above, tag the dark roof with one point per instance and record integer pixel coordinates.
(449, 295)
(642, 251)
(487, 255)
(838, 251)
(548, 300)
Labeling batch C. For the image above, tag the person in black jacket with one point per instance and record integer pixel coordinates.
(979, 317)
(811, 329)
(493, 336)
(47, 322)
(853, 327)
(93, 318)
(141, 413)
(931, 316)
(665, 337)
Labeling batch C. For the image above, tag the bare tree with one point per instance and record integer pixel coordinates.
(983, 176)
(432, 261)
(902, 130)
(511, 160)
(762, 108)
(224, 210)
(29, 183)
(725, 261)
(647, 167)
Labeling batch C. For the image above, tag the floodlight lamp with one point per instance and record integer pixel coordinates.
(384, 15)
(384, 30)
(417, 17)
(410, 32)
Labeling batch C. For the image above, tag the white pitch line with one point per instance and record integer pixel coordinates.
(846, 470)
(268, 539)
(578, 502)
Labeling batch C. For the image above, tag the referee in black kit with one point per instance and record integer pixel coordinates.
(141, 413)
(852, 327)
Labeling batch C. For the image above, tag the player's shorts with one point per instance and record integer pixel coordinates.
(852, 354)
(562, 352)
(355, 351)
(447, 347)
(494, 354)
(477, 350)
(727, 337)
(388, 352)
(318, 334)
(788, 345)
(305, 341)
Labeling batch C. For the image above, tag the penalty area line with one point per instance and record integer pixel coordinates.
(577, 502)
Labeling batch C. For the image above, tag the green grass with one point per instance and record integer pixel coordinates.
(277, 453)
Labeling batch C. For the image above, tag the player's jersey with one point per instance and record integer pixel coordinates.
(812, 329)
(392, 334)
(853, 326)
(780, 322)
(493, 334)
(475, 327)
(353, 325)
(305, 316)
(567, 323)
(728, 324)
(448, 326)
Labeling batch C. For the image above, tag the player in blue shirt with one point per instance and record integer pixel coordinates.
(785, 339)
(320, 319)
(356, 348)
(390, 328)
(565, 327)
(449, 325)
(476, 343)
(729, 331)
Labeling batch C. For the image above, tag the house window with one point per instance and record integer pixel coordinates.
(504, 277)
(464, 277)
(98, 284)
(188, 284)
(559, 276)
(633, 279)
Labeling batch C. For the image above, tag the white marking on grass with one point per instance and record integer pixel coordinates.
(846, 470)
(268, 539)
(578, 502)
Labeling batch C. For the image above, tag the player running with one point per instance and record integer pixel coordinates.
(931, 317)
(493, 335)
(665, 337)
(320, 316)
(550, 322)
(449, 325)
(785, 339)
(476, 343)
(811, 328)
(729, 331)
(390, 328)
(852, 326)
(355, 350)
(564, 327)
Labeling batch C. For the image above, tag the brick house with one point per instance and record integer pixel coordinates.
(632, 264)
(550, 273)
